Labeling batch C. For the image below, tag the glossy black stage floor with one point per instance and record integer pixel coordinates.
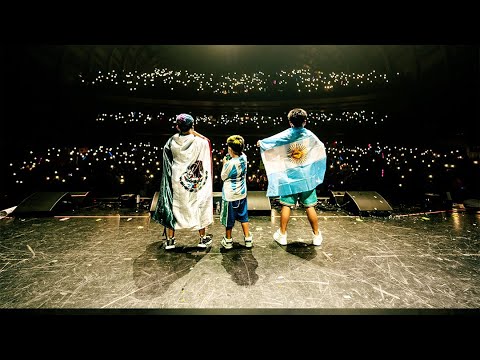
(112, 258)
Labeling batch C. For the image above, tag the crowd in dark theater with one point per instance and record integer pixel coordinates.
(403, 173)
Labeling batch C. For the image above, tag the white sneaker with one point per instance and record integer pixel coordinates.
(170, 243)
(249, 241)
(227, 243)
(317, 239)
(280, 238)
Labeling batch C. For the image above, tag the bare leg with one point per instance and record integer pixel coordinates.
(284, 218)
(201, 232)
(245, 228)
(170, 233)
(313, 219)
(228, 233)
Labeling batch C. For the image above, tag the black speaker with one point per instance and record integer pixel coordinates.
(336, 197)
(46, 203)
(258, 202)
(472, 204)
(365, 202)
(440, 201)
(81, 198)
(127, 200)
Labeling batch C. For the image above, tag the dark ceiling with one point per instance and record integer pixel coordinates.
(65, 62)
(40, 81)
(40, 73)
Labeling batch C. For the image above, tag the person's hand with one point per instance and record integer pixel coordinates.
(258, 143)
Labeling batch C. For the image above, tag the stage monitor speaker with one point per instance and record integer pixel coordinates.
(337, 197)
(442, 201)
(127, 200)
(154, 203)
(472, 204)
(46, 203)
(258, 202)
(82, 198)
(366, 202)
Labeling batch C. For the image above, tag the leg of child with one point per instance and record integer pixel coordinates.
(245, 228)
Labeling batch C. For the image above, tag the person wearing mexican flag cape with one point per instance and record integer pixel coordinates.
(295, 162)
(186, 197)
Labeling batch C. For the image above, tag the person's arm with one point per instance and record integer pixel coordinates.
(226, 169)
(198, 134)
(282, 138)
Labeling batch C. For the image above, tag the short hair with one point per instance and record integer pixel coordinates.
(297, 117)
(236, 143)
(184, 122)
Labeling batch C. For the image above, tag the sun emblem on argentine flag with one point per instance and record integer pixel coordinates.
(297, 153)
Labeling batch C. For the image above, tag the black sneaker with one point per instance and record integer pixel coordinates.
(170, 243)
(205, 241)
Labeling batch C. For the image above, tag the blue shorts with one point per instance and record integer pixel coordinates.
(306, 198)
(233, 210)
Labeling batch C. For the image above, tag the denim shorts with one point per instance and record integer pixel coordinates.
(234, 210)
(306, 198)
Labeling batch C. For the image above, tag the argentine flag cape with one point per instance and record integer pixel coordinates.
(295, 161)
(185, 200)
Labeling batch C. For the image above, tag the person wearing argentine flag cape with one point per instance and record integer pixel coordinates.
(295, 161)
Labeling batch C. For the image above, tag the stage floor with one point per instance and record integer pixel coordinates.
(114, 259)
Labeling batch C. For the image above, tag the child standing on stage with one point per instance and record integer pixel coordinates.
(234, 191)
